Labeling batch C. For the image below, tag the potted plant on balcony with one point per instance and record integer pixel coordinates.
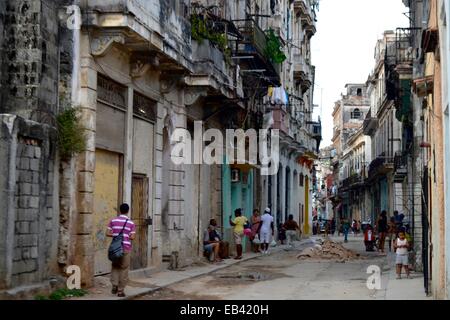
(202, 30)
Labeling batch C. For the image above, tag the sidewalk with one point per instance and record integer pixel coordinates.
(404, 289)
(392, 288)
(142, 285)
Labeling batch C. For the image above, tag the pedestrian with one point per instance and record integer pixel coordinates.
(345, 229)
(354, 227)
(121, 224)
(238, 223)
(256, 221)
(291, 227)
(369, 238)
(392, 232)
(341, 227)
(281, 233)
(382, 226)
(333, 226)
(398, 219)
(266, 230)
(401, 246)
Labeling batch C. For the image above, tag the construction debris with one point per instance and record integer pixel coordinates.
(328, 250)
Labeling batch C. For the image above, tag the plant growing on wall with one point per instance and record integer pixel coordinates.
(200, 31)
(71, 137)
(273, 50)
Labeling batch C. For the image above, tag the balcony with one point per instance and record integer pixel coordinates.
(304, 9)
(400, 167)
(276, 23)
(370, 125)
(211, 71)
(381, 166)
(280, 118)
(137, 25)
(302, 72)
(300, 7)
(254, 43)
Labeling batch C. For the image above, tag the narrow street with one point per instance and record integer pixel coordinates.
(282, 276)
(141, 140)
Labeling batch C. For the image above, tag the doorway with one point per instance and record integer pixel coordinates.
(107, 196)
(139, 215)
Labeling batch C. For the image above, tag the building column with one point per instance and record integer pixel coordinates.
(84, 250)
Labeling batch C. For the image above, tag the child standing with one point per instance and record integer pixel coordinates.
(369, 238)
(401, 247)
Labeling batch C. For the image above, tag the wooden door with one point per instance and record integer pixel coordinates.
(139, 214)
(107, 197)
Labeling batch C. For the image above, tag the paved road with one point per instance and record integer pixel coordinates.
(282, 276)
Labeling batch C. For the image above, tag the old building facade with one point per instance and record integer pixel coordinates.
(136, 72)
(351, 152)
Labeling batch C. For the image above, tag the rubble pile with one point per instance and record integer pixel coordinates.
(328, 250)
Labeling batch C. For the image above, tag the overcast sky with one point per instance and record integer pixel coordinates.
(343, 47)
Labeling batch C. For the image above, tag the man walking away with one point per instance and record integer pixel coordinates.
(291, 227)
(119, 274)
(266, 230)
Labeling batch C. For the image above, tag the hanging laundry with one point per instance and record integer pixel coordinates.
(279, 96)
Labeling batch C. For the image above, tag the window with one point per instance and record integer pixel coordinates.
(144, 107)
(359, 92)
(356, 114)
(301, 182)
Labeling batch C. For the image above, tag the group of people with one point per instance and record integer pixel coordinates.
(259, 229)
(398, 239)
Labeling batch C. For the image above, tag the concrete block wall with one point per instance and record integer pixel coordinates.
(29, 197)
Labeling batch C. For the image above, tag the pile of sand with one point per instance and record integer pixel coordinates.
(328, 250)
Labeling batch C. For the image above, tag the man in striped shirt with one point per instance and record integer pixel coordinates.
(119, 273)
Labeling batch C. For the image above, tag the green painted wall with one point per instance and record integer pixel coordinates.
(235, 195)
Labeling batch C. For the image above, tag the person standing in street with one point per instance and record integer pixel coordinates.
(345, 228)
(119, 273)
(401, 246)
(238, 223)
(382, 226)
(256, 221)
(333, 226)
(392, 232)
(291, 227)
(266, 230)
